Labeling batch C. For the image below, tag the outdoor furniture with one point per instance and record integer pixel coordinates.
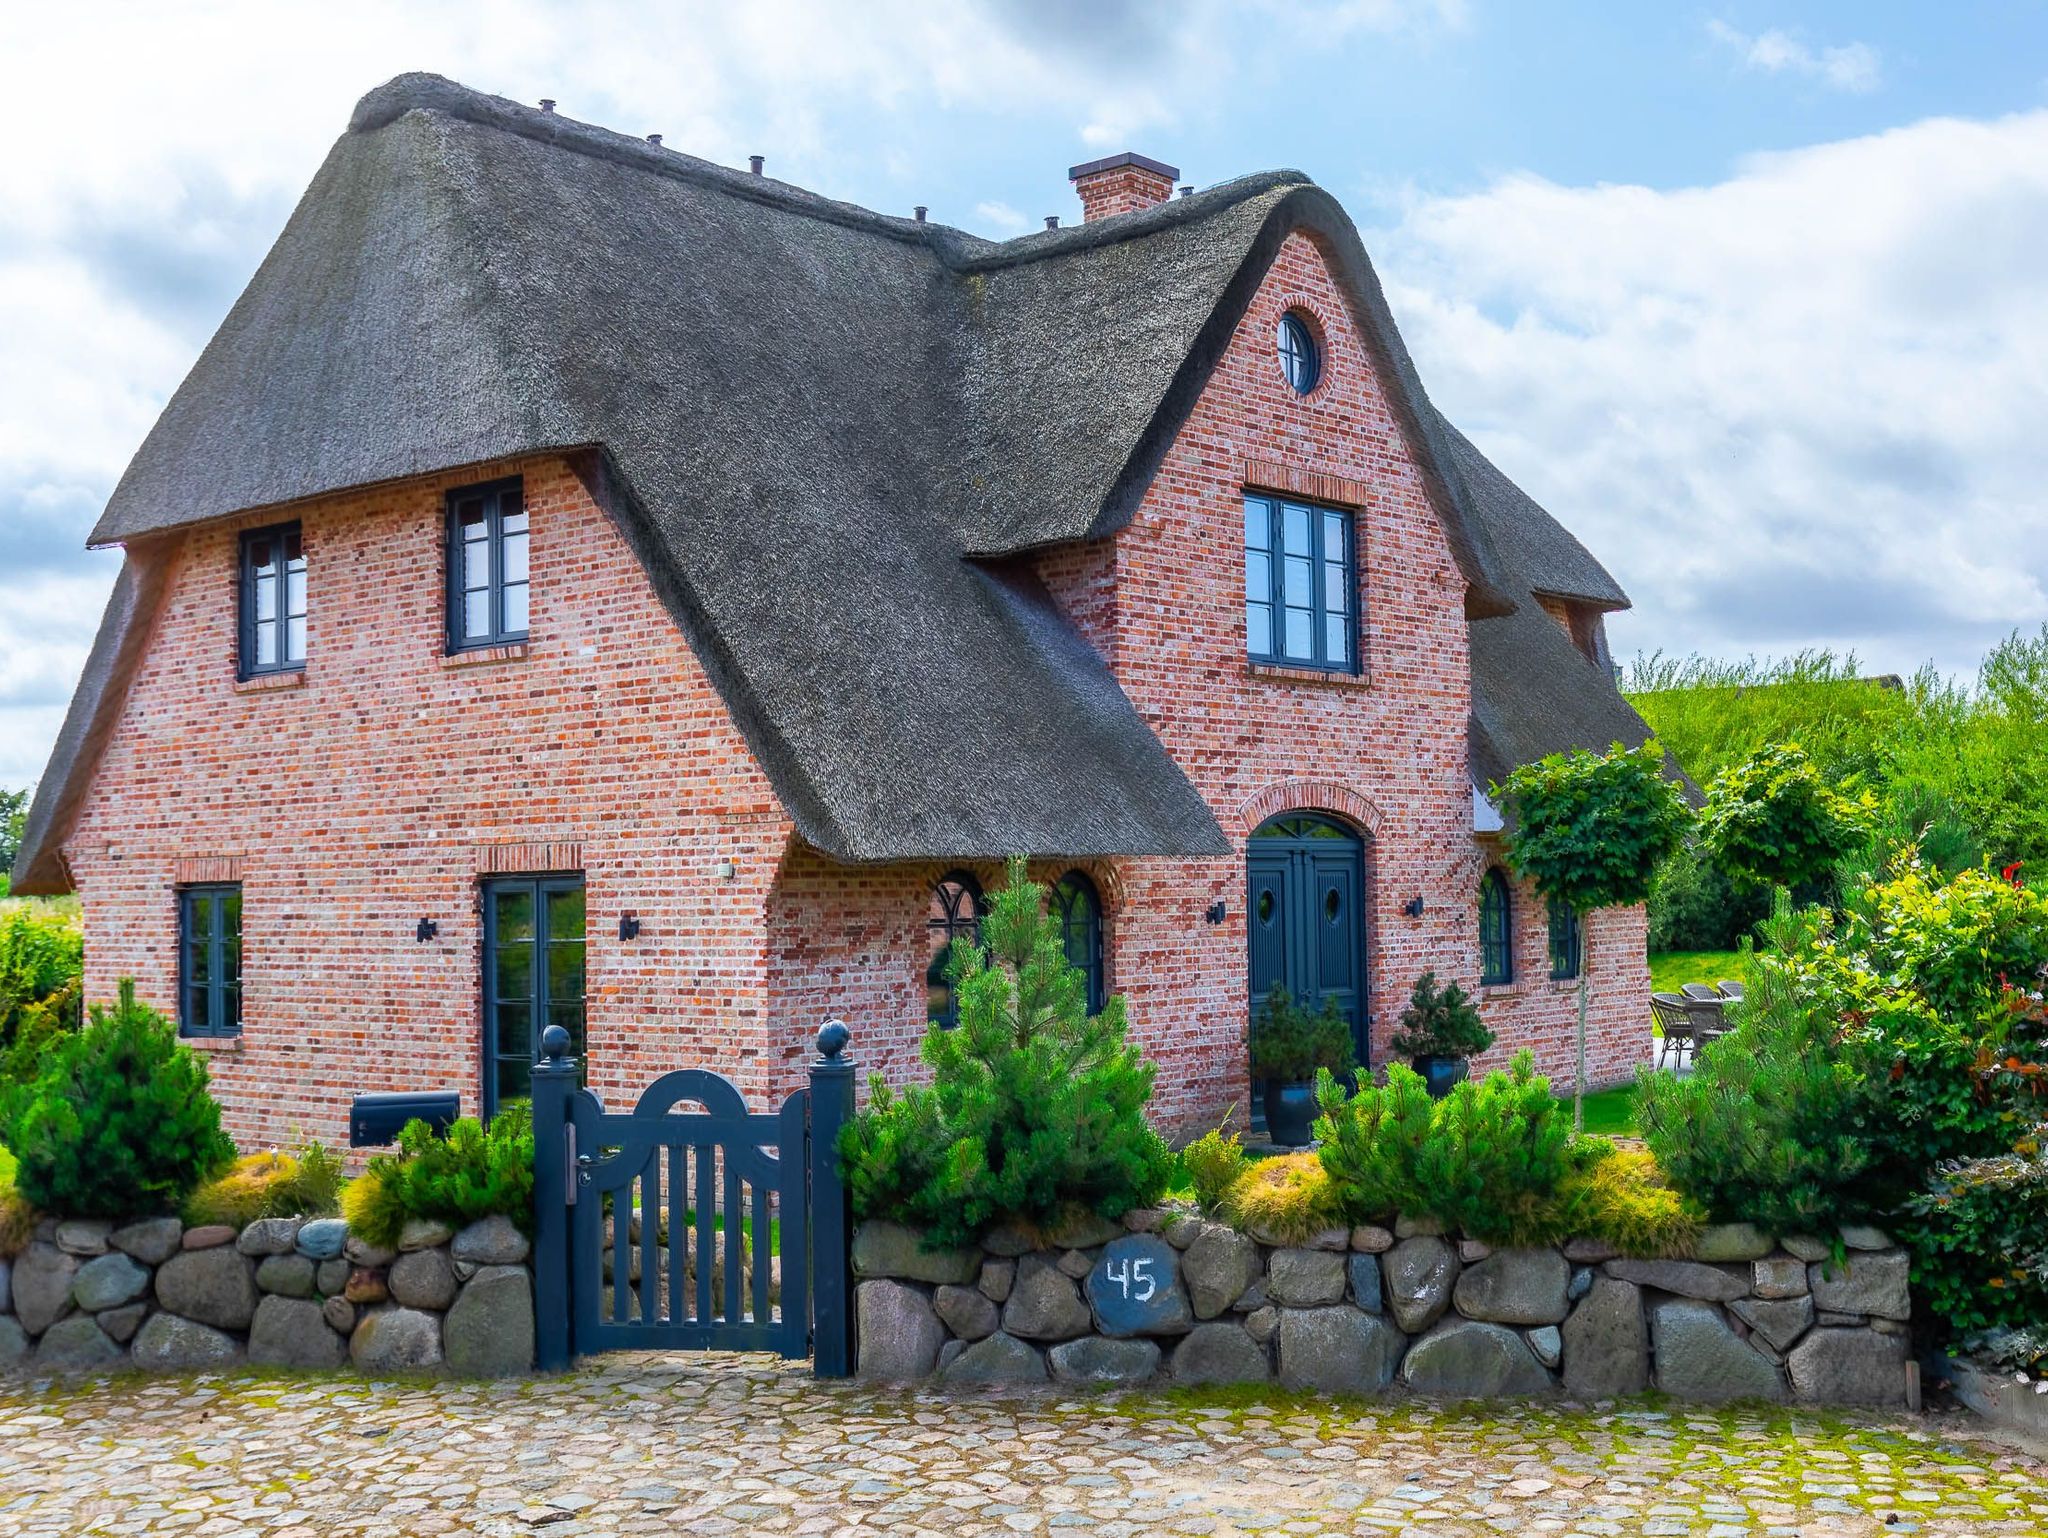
(1708, 1007)
(1674, 1019)
(1703, 992)
(1730, 990)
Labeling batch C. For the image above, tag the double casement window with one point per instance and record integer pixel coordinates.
(1565, 941)
(1496, 932)
(210, 960)
(1300, 585)
(487, 582)
(272, 602)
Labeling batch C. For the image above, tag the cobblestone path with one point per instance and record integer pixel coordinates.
(741, 1445)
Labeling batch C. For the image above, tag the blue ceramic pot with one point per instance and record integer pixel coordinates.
(1290, 1113)
(1441, 1073)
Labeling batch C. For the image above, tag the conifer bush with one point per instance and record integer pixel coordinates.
(1035, 1107)
(1368, 1142)
(274, 1184)
(116, 1120)
(1283, 1200)
(472, 1172)
(1213, 1162)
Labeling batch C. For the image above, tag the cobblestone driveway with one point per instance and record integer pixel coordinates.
(738, 1445)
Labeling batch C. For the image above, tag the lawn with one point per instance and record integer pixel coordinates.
(1670, 971)
(1607, 1111)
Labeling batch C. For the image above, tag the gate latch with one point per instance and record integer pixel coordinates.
(575, 1166)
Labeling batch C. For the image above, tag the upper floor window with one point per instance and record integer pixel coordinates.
(210, 960)
(1077, 909)
(1565, 941)
(1301, 356)
(955, 916)
(273, 601)
(486, 565)
(1496, 932)
(1300, 585)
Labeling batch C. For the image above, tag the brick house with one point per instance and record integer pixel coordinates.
(582, 583)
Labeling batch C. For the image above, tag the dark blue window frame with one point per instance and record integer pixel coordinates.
(1566, 942)
(955, 914)
(488, 565)
(210, 959)
(1077, 907)
(1301, 355)
(1300, 584)
(271, 607)
(535, 975)
(1496, 932)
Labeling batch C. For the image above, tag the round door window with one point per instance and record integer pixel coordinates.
(1333, 905)
(1266, 906)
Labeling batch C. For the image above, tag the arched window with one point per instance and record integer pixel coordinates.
(1564, 941)
(1496, 932)
(1077, 909)
(955, 915)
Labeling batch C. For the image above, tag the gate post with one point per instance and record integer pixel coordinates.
(832, 1278)
(554, 1081)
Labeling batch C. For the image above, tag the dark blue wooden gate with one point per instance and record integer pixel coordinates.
(668, 1228)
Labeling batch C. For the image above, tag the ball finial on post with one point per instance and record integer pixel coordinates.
(832, 1039)
(554, 1043)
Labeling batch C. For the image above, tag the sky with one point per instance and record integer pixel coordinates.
(1751, 295)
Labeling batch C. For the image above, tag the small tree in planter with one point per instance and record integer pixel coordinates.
(1773, 819)
(1289, 1046)
(1441, 1030)
(1590, 830)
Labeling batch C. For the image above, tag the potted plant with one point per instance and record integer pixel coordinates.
(1440, 1031)
(1288, 1046)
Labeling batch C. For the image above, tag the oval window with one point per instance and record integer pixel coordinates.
(1301, 359)
(1333, 905)
(1266, 906)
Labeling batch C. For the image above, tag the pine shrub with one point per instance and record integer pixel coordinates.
(472, 1172)
(1440, 1022)
(117, 1119)
(1497, 1157)
(1213, 1162)
(1369, 1141)
(302, 1184)
(1035, 1107)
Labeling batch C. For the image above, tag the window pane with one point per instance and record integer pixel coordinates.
(266, 596)
(195, 1010)
(515, 608)
(515, 1030)
(1333, 536)
(515, 917)
(513, 975)
(476, 564)
(515, 520)
(565, 971)
(565, 915)
(294, 550)
(266, 643)
(1258, 628)
(1297, 529)
(515, 557)
(1258, 575)
(295, 639)
(1301, 634)
(470, 516)
(295, 591)
(231, 1008)
(1301, 581)
(515, 1079)
(1336, 640)
(260, 553)
(476, 613)
(1258, 525)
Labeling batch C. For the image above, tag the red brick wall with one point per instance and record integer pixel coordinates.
(1120, 191)
(372, 796)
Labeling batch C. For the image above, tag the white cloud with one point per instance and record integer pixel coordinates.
(1799, 406)
(1002, 218)
(1847, 67)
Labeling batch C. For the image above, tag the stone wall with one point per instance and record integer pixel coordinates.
(90, 1296)
(1165, 1297)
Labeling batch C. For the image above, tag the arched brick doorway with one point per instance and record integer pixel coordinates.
(1305, 916)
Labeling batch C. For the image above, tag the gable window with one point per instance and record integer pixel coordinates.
(487, 582)
(1077, 909)
(1301, 359)
(1564, 941)
(273, 601)
(210, 960)
(955, 915)
(533, 978)
(1496, 932)
(1300, 585)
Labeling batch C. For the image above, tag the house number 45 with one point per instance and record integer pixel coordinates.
(1134, 1277)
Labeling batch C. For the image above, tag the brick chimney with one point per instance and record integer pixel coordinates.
(1120, 184)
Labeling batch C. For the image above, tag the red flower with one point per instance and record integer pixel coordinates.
(2012, 872)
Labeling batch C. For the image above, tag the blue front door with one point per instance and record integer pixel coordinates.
(1305, 912)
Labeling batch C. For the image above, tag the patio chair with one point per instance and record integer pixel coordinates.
(1674, 1019)
(1709, 1016)
(1703, 993)
(1729, 989)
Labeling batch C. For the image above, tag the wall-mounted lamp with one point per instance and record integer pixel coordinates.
(1216, 912)
(725, 870)
(629, 926)
(1412, 907)
(426, 931)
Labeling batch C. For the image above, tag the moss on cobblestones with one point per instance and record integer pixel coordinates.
(739, 1445)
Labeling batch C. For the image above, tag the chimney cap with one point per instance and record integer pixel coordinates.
(756, 162)
(1116, 162)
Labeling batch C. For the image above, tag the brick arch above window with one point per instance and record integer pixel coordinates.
(1311, 796)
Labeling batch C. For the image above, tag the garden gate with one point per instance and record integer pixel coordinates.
(718, 1228)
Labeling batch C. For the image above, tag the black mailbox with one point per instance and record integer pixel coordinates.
(375, 1120)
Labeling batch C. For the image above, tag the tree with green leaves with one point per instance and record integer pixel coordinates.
(1590, 831)
(1774, 819)
(1036, 1107)
(13, 822)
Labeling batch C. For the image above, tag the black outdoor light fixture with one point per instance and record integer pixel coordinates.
(1216, 912)
(1412, 907)
(629, 926)
(426, 931)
